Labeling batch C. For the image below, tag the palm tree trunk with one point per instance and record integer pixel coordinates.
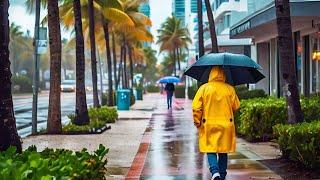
(214, 42)
(93, 54)
(287, 61)
(107, 39)
(114, 53)
(174, 63)
(54, 114)
(8, 131)
(82, 116)
(178, 58)
(200, 28)
(125, 64)
(131, 64)
(120, 67)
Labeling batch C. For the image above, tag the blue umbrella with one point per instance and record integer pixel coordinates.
(169, 79)
(239, 69)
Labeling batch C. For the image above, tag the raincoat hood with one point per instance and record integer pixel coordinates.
(217, 74)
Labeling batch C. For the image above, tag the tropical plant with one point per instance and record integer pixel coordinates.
(172, 37)
(82, 116)
(287, 61)
(200, 28)
(8, 130)
(54, 113)
(212, 28)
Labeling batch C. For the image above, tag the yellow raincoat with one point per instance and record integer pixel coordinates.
(213, 108)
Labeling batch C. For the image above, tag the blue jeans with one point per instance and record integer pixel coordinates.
(169, 101)
(218, 166)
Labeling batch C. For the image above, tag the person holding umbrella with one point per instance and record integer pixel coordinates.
(215, 103)
(169, 88)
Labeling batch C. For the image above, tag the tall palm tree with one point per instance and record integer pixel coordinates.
(54, 114)
(8, 130)
(114, 58)
(287, 61)
(173, 36)
(212, 28)
(200, 28)
(93, 53)
(82, 116)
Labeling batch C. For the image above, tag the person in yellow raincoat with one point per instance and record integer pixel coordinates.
(213, 113)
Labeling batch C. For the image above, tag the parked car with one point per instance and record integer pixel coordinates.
(68, 86)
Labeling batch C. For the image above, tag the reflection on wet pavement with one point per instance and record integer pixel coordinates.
(173, 151)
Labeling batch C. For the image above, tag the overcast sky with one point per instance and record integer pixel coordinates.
(160, 10)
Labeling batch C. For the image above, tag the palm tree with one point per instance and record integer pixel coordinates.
(82, 116)
(8, 130)
(173, 36)
(54, 114)
(214, 42)
(287, 61)
(200, 28)
(93, 53)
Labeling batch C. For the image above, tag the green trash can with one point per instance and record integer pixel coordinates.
(139, 94)
(123, 99)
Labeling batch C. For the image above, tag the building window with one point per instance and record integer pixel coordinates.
(315, 63)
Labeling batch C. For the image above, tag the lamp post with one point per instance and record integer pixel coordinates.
(36, 70)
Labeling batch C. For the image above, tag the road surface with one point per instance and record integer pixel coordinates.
(23, 110)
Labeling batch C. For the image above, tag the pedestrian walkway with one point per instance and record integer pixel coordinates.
(168, 150)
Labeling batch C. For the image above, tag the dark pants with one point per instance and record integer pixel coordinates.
(218, 166)
(169, 101)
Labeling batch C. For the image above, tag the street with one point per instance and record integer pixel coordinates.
(23, 110)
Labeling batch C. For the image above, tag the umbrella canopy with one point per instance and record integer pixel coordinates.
(169, 79)
(239, 69)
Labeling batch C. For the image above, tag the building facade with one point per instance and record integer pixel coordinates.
(260, 25)
(179, 10)
(145, 8)
(226, 13)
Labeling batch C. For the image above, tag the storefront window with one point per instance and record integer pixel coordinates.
(315, 63)
(298, 55)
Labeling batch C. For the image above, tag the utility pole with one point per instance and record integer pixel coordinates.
(36, 71)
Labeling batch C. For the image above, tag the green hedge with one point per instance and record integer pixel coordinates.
(244, 93)
(192, 91)
(180, 92)
(21, 84)
(53, 164)
(300, 142)
(153, 89)
(256, 117)
(99, 117)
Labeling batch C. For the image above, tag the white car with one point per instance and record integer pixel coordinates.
(68, 86)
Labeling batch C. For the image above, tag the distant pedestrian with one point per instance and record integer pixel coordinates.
(170, 90)
(213, 112)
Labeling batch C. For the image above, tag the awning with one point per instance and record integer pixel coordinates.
(261, 25)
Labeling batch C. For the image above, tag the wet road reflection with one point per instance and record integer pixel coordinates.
(173, 152)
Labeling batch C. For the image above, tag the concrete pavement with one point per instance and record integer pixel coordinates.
(151, 142)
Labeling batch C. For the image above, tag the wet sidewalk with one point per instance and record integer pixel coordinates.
(169, 150)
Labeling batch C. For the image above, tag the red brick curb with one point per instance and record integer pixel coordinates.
(140, 158)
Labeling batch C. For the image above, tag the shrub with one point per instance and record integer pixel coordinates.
(300, 142)
(153, 89)
(244, 93)
(99, 117)
(256, 117)
(132, 98)
(53, 164)
(192, 91)
(105, 98)
(21, 84)
(180, 92)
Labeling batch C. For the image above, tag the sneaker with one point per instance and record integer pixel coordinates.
(215, 176)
